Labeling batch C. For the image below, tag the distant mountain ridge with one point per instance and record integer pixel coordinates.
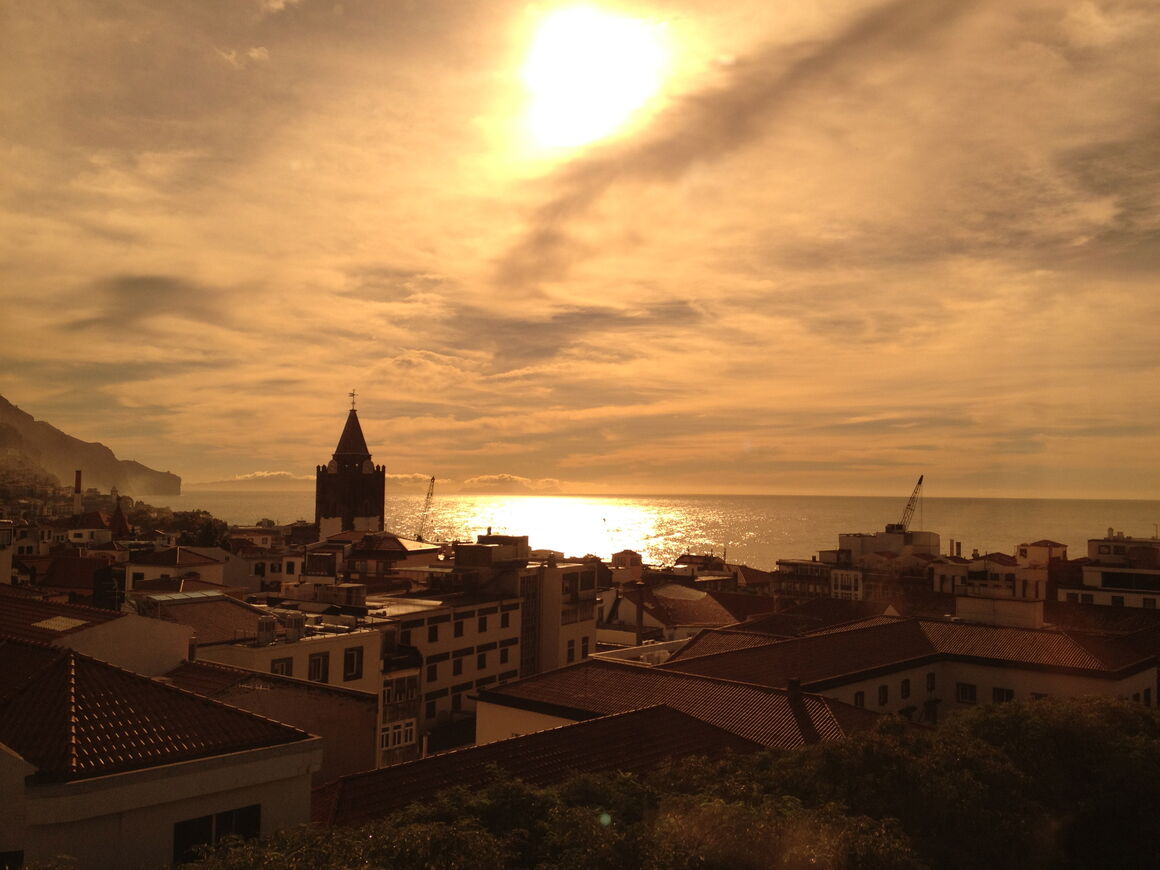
(27, 443)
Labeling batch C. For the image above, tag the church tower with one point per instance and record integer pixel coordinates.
(350, 490)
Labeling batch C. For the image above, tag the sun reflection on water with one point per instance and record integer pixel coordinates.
(573, 525)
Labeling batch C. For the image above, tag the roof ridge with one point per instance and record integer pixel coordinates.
(71, 684)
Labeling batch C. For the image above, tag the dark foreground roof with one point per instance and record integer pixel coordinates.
(75, 717)
(771, 717)
(634, 742)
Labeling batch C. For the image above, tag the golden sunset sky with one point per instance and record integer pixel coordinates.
(795, 247)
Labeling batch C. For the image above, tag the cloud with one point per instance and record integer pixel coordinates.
(415, 481)
(708, 126)
(510, 483)
(132, 301)
(273, 476)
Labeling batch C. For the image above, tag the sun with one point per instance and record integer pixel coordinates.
(588, 72)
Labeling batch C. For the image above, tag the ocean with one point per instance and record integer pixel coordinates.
(756, 530)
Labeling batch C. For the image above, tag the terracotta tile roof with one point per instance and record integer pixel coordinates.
(1027, 646)
(71, 572)
(213, 616)
(751, 576)
(812, 615)
(998, 559)
(598, 688)
(44, 622)
(174, 557)
(211, 679)
(75, 717)
(1094, 617)
(674, 604)
(842, 653)
(815, 659)
(163, 585)
(710, 641)
(634, 742)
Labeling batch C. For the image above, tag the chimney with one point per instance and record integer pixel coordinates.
(797, 706)
(191, 655)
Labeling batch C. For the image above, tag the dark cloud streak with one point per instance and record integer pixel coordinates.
(710, 126)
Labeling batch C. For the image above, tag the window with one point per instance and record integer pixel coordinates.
(457, 702)
(965, 693)
(429, 710)
(283, 667)
(571, 651)
(930, 682)
(405, 637)
(859, 699)
(319, 667)
(904, 689)
(432, 673)
(458, 631)
(481, 661)
(1086, 598)
(1073, 598)
(207, 830)
(138, 576)
(456, 667)
(1149, 603)
(352, 663)
(1000, 695)
(505, 620)
(482, 623)
(432, 633)
(289, 567)
(1104, 549)
(883, 695)
(503, 656)
(584, 647)
(397, 734)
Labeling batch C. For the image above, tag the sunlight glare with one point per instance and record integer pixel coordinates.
(588, 72)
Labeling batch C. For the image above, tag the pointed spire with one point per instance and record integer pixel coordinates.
(352, 442)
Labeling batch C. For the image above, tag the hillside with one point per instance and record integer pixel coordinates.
(30, 445)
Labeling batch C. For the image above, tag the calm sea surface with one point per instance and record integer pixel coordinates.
(753, 529)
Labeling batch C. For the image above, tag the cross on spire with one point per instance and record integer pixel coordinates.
(352, 395)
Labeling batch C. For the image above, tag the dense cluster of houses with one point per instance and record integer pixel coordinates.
(155, 697)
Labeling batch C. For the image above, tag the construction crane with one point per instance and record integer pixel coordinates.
(903, 525)
(426, 509)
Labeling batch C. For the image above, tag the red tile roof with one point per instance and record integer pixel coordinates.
(710, 641)
(211, 678)
(22, 618)
(842, 653)
(598, 687)
(75, 717)
(634, 742)
(676, 605)
(174, 557)
(213, 616)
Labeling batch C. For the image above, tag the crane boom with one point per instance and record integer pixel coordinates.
(903, 525)
(426, 509)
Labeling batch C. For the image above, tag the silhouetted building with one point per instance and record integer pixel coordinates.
(350, 489)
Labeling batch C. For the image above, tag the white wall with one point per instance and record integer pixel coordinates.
(498, 722)
(127, 820)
